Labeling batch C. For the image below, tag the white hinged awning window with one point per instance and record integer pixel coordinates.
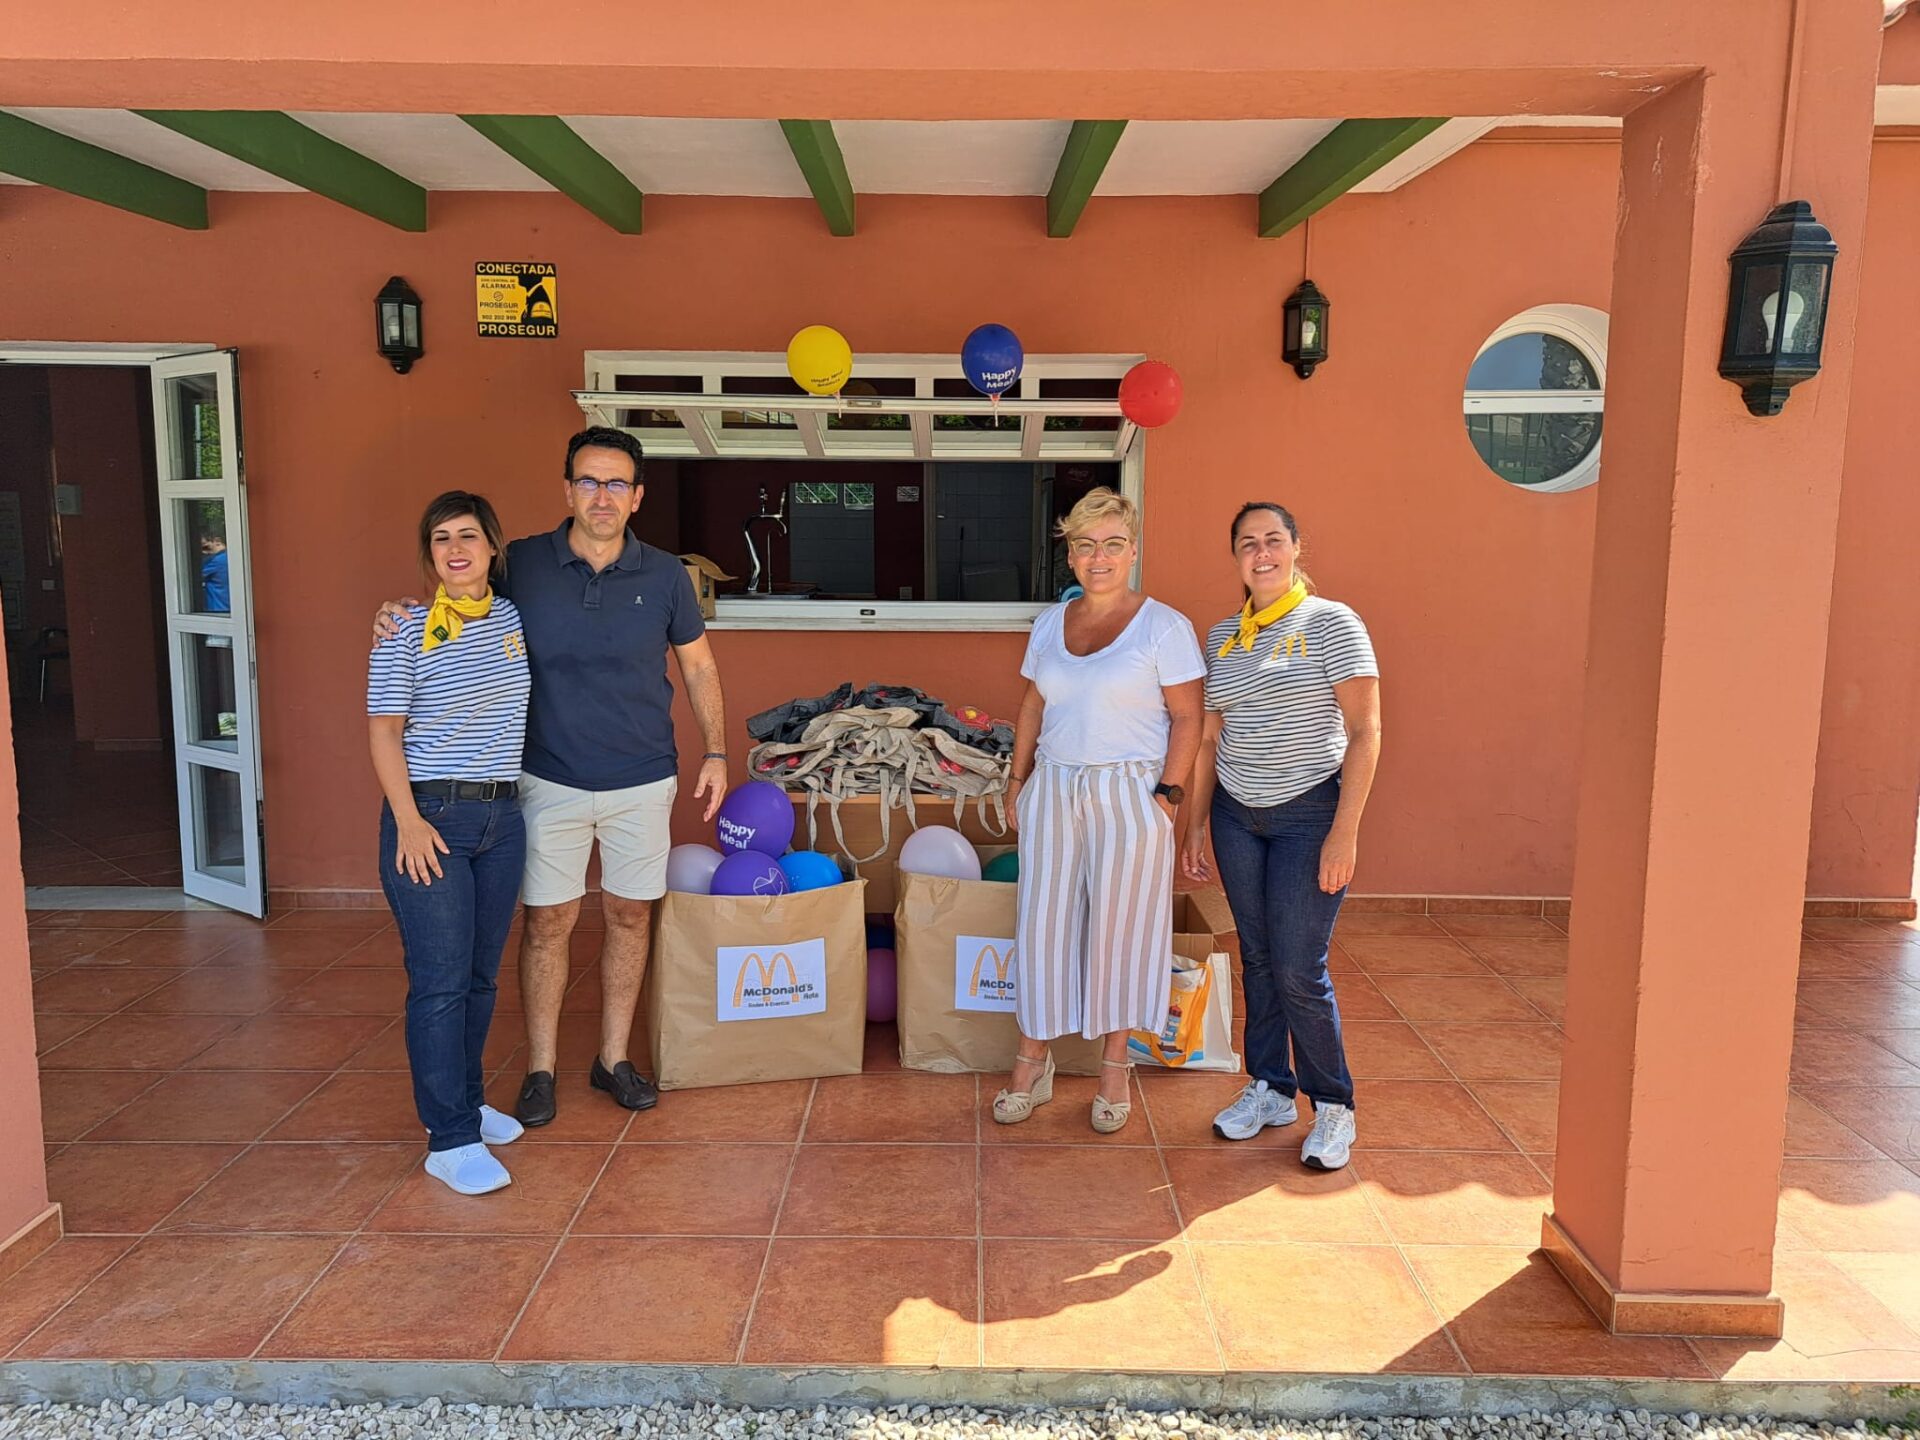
(732, 406)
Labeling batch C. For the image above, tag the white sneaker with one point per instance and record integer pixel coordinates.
(1330, 1145)
(468, 1170)
(1258, 1106)
(499, 1129)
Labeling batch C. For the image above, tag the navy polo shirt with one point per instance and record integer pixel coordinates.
(601, 714)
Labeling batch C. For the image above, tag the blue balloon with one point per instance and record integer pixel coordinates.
(810, 870)
(992, 358)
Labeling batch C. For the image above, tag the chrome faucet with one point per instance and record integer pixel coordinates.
(776, 516)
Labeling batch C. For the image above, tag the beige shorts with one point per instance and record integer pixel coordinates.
(633, 827)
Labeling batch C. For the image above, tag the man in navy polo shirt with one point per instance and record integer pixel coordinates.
(600, 610)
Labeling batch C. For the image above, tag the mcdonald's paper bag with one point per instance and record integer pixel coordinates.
(954, 943)
(750, 988)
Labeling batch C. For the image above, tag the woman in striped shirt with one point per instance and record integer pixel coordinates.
(447, 712)
(1292, 737)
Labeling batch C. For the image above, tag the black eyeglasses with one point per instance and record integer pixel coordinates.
(618, 489)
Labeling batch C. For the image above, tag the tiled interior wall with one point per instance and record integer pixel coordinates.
(983, 532)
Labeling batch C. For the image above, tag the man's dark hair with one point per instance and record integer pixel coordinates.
(604, 437)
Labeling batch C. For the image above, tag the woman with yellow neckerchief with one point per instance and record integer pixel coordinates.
(447, 715)
(1286, 760)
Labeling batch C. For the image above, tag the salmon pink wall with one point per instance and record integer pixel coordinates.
(1477, 594)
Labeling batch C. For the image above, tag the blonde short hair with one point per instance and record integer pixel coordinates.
(1097, 505)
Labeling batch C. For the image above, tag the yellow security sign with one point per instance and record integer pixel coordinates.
(518, 298)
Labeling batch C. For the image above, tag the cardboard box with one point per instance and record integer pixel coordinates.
(705, 576)
(860, 824)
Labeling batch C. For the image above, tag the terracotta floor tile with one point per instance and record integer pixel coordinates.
(1836, 1057)
(295, 949)
(1240, 1194)
(1882, 1003)
(1836, 1328)
(1850, 1204)
(1071, 1191)
(1358, 998)
(1067, 1118)
(373, 1105)
(291, 1042)
(549, 1182)
(348, 992)
(1474, 928)
(1892, 1279)
(96, 989)
(383, 950)
(1511, 1313)
(1904, 1043)
(1258, 1293)
(1821, 961)
(72, 1102)
(1514, 956)
(68, 946)
(101, 919)
(1354, 923)
(210, 919)
(186, 1296)
(331, 1187)
(1389, 1050)
(52, 1030)
(128, 1189)
(1898, 962)
(1094, 1305)
(1528, 1110)
(770, 1112)
(1496, 1052)
(1425, 997)
(139, 1042)
(1446, 1198)
(688, 1190)
(1864, 931)
(1422, 1115)
(1182, 1108)
(211, 1105)
(1847, 1122)
(169, 947)
(339, 918)
(907, 1107)
(916, 1190)
(52, 1278)
(1546, 993)
(881, 1051)
(223, 990)
(1381, 955)
(868, 1302)
(602, 1300)
(372, 1303)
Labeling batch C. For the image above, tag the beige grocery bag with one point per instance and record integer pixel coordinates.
(749, 988)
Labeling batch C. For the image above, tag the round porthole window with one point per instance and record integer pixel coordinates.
(1536, 395)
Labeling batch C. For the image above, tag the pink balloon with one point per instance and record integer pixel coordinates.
(882, 986)
(939, 850)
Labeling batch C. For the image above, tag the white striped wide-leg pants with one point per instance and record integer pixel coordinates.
(1095, 948)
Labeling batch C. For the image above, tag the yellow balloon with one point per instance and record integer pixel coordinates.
(819, 359)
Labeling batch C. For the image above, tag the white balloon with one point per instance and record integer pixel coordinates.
(939, 850)
(690, 868)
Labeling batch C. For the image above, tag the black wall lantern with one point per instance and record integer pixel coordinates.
(396, 319)
(1305, 339)
(1777, 306)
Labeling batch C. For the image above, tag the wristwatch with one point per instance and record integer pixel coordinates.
(1176, 794)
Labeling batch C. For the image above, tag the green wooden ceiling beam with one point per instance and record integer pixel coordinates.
(279, 144)
(60, 162)
(818, 153)
(1089, 147)
(1345, 157)
(550, 147)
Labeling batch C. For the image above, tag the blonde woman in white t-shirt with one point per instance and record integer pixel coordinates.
(1292, 736)
(1105, 741)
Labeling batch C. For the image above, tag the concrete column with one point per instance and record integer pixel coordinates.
(1713, 567)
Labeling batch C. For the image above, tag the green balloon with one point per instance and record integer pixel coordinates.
(1004, 868)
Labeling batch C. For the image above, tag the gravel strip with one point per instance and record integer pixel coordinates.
(130, 1420)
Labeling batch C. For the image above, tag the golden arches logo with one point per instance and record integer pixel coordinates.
(515, 646)
(1294, 644)
(766, 972)
(1002, 966)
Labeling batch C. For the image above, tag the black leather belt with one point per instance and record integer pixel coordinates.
(488, 790)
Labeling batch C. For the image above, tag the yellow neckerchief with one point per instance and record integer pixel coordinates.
(446, 615)
(1251, 624)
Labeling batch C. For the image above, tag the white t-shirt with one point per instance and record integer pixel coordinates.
(1106, 708)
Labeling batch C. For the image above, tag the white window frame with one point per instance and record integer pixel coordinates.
(1582, 327)
(1030, 443)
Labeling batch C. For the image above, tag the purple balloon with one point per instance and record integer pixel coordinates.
(756, 816)
(882, 986)
(749, 873)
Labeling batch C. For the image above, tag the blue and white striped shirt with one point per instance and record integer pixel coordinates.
(465, 701)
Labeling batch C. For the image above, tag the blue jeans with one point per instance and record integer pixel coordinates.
(1270, 865)
(452, 933)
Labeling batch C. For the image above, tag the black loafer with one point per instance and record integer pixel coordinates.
(627, 1085)
(535, 1107)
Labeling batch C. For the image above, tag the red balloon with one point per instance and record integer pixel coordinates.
(1150, 394)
